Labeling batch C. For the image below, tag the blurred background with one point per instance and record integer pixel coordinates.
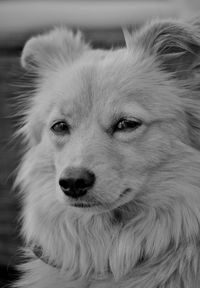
(101, 23)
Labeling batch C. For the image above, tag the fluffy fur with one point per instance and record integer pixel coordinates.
(145, 231)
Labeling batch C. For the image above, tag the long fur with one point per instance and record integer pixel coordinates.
(148, 237)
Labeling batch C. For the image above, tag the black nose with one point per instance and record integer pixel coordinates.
(75, 182)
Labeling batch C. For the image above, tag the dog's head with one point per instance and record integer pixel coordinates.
(102, 123)
(110, 177)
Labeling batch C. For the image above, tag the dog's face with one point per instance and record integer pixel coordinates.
(106, 128)
(103, 122)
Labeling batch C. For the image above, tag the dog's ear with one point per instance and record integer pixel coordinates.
(175, 45)
(175, 48)
(51, 49)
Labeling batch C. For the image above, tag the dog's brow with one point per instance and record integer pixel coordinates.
(131, 108)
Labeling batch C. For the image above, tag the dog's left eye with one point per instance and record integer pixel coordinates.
(127, 125)
(60, 128)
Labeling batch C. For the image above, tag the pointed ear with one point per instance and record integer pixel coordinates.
(49, 50)
(175, 45)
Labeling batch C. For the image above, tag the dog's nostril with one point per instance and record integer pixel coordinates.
(65, 184)
(75, 182)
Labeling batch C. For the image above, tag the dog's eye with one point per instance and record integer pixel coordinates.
(127, 125)
(60, 128)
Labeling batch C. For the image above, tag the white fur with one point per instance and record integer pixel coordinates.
(148, 238)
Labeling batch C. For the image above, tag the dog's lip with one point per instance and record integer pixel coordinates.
(84, 205)
(125, 192)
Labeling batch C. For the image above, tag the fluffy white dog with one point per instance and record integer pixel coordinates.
(110, 179)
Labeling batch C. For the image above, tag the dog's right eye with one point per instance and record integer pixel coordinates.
(60, 128)
(127, 125)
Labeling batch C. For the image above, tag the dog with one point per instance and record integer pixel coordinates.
(110, 177)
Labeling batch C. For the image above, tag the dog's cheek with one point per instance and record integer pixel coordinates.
(37, 180)
(51, 154)
(109, 185)
(140, 158)
(122, 169)
(45, 173)
(133, 171)
(156, 146)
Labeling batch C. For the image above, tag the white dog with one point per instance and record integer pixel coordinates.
(110, 179)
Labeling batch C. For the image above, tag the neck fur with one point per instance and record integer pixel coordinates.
(101, 246)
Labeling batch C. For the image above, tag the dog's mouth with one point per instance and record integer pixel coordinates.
(84, 205)
(125, 192)
(93, 204)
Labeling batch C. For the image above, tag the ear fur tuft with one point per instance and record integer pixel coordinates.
(53, 48)
(175, 45)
